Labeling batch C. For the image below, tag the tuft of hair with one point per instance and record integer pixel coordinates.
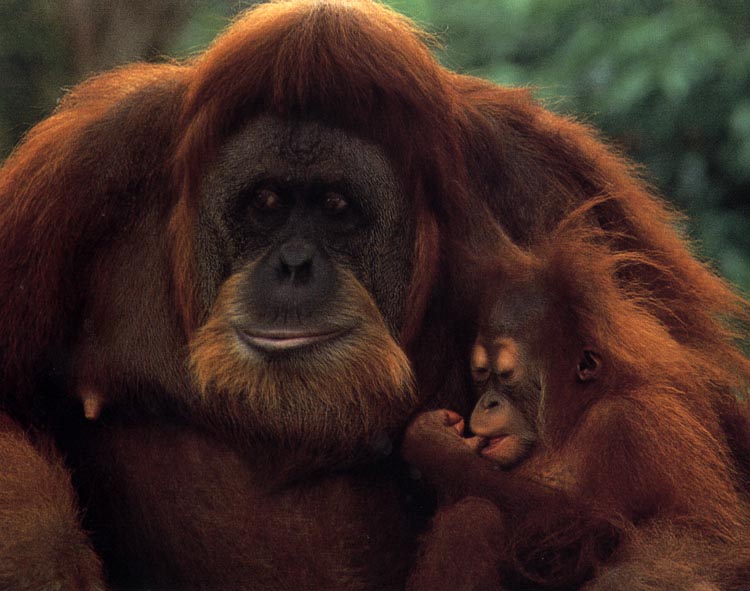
(618, 291)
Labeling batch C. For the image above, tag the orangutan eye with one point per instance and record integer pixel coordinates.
(266, 200)
(480, 374)
(335, 204)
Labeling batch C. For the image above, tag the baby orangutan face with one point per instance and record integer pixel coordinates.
(508, 400)
(508, 371)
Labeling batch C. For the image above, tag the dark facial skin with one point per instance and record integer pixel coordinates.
(301, 202)
(507, 376)
(508, 400)
(302, 236)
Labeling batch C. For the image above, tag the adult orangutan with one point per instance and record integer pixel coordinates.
(616, 469)
(222, 263)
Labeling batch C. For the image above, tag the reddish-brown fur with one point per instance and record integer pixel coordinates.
(528, 167)
(630, 467)
(111, 178)
(41, 540)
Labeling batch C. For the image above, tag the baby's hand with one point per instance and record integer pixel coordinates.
(474, 443)
(431, 435)
(455, 420)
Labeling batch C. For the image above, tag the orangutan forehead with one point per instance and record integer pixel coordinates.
(516, 311)
(304, 150)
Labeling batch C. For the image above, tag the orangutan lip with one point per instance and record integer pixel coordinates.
(492, 442)
(287, 340)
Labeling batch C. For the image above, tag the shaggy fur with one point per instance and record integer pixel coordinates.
(630, 468)
(100, 290)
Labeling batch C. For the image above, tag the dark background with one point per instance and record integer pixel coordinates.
(667, 81)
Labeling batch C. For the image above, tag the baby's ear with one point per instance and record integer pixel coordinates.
(588, 366)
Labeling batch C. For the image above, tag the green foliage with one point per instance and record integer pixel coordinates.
(34, 65)
(209, 18)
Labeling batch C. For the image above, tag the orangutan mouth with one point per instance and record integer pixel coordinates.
(491, 443)
(275, 341)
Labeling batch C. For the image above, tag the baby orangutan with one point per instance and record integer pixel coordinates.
(503, 420)
(598, 458)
